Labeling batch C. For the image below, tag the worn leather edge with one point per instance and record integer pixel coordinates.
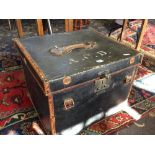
(52, 116)
(34, 65)
(47, 90)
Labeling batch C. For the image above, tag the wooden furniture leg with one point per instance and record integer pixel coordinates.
(68, 25)
(81, 24)
(40, 27)
(125, 23)
(75, 24)
(19, 27)
(143, 29)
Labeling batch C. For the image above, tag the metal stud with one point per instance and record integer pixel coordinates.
(67, 80)
(132, 60)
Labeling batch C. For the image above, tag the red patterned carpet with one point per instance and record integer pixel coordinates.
(15, 105)
(17, 112)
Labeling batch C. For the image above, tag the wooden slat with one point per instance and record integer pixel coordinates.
(125, 23)
(40, 27)
(19, 27)
(143, 29)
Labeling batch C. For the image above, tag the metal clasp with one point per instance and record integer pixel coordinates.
(103, 82)
(128, 79)
(68, 103)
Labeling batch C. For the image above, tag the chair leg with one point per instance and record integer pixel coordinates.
(75, 24)
(81, 24)
(19, 27)
(40, 27)
(125, 24)
(141, 35)
(68, 25)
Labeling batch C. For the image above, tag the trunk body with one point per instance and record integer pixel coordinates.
(74, 78)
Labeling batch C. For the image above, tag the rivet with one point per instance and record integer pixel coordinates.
(132, 60)
(67, 80)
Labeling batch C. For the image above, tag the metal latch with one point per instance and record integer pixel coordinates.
(68, 103)
(128, 79)
(103, 82)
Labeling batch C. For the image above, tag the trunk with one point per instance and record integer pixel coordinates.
(74, 78)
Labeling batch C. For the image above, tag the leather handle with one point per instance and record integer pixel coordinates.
(67, 49)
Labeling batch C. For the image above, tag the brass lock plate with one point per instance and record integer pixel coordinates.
(102, 83)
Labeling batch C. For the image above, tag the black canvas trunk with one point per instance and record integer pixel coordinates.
(74, 78)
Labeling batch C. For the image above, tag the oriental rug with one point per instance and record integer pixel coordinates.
(132, 33)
